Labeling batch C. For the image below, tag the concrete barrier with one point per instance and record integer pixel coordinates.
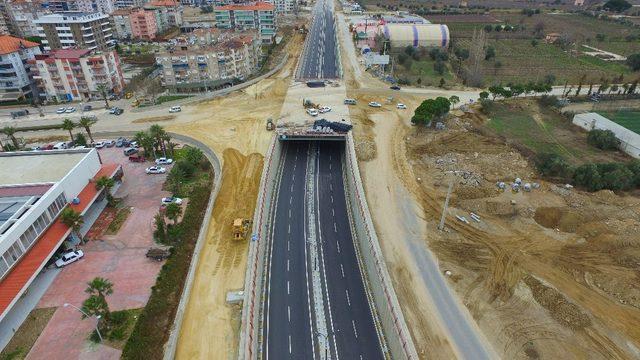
(252, 315)
(170, 346)
(398, 339)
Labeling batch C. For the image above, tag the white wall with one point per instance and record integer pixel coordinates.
(629, 140)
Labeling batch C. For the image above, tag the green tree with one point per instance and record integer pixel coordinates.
(633, 61)
(103, 90)
(10, 131)
(100, 287)
(106, 183)
(146, 142)
(454, 99)
(86, 123)
(80, 140)
(439, 67)
(173, 212)
(96, 305)
(431, 109)
(490, 53)
(73, 220)
(193, 155)
(534, 42)
(157, 133)
(484, 95)
(69, 126)
(551, 164)
(603, 139)
(160, 232)
(616, 5)
(588, 176)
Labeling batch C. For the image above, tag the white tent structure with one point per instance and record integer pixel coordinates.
(416, 35)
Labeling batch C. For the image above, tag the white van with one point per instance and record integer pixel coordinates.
(349, 101)
(60, 146)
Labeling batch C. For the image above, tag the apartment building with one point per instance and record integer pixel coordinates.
(76, 30)
(260, 16)
(124, 4)
(168, 13)
(74, 74)
(21, 14)
(207, 67)
(281, 6)
(143, 24)
(122, 23)
(88, 6)
(15, 82)
(4, 19)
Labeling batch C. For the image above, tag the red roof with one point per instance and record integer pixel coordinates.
(24, 190)
(254, 6)
(69, 53)
(29, 265)
(163, 3)
(10, 44)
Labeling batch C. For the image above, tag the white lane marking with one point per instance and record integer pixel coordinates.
(288, 247)
(338, 244)
(290, 342)
(289, 229)
(348, 299)
(342, 270)
(353, 322)
(289, 313)
(329, 166)
(293, 177)
(335, 229)
(331, 186)
(291, 190)
(333, 212)
(290, 199)
(288, 289)
(332, 199)
(289, 213)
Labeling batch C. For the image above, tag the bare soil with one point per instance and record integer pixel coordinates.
(27, 334)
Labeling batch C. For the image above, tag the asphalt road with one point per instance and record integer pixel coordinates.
(320, 54)
(316, 304)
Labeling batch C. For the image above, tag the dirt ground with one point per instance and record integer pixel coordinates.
(27, 334)
(551, 273)
(234, 127)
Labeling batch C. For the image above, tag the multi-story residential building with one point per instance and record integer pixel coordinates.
(87, 6)
(122, 23)
(74, 74)
(123, 4)
(81, 30)
(21, 15)
(4, 19)
(143, 24)
(168, 13)
(202, 68)
(259, 15)
(15, 82)
(282, 6)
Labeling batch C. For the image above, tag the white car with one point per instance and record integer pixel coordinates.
(155, 170)
(375, 104)
(175, 109)
(69, 257)
(324, 109)
(312, 112)
(134, 144)
(163, 161)
(69, 110)
(401, 106)
(169, 200)
(110, 143)
(61, 110)
(99, 145)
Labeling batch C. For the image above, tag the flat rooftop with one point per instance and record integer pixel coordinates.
(35, 167)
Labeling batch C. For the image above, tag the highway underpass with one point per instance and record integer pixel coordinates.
(316, 304)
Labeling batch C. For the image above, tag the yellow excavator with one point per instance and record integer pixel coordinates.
(241, 228)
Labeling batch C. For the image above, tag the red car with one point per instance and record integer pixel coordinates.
(136, 158)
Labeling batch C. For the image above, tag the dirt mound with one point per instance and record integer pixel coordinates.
(558, 218)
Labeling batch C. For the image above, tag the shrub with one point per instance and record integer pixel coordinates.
(633, 61)
(550, 164)
(603, 139)
(548, 100)
(588, 176)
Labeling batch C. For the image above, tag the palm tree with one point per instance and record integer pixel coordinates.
(96, 304)
(86, 123)
(157, 132)
(100, 287)
(145, 141)
(10, 132)
(72, 219)
(104, 182)
(69, 126)
(103, 90)
(173, 212)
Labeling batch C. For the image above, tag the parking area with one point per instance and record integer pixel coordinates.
(119, 258)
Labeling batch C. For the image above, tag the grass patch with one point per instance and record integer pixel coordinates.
(154, 119)
(152, 330)
(167, 98)
(118, 220)
(122, 324)
(629, 119)
(27, 334)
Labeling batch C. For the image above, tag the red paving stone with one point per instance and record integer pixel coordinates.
(102, 223)
(119, 258)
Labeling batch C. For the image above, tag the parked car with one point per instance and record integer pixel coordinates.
(175, 109)
(19, 113)
(312, 112)
(395, 87)
(401, 106)
(70, 110)
(61, 110)
(87, 108)
(163, 161)
(46, 147)
(60, 146)
(133, 144)
(350, 101)
(375, 104)
(130, 151)
(69, 257)
(116, 111)
(136, 158)
(109, 143)
(121, 142)
(99, 144)
(169, 200)
(155, 170)
(324, 109)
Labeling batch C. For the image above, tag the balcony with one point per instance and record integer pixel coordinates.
(90, 34)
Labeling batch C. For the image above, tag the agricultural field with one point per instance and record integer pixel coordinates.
(422, 73)
(629, 118)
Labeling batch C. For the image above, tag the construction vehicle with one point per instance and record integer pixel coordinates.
(241, 228)
(270, 125)
(128, 95)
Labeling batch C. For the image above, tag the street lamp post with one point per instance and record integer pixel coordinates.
(87, 315)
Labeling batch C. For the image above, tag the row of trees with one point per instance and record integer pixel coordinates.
(515, 90)
(67, 124)
(432, 109)
(155, 140)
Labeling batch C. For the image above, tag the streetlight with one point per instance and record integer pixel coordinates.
(87, 315)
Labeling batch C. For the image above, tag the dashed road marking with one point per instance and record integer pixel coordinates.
(353, 322)
(342, 270)
(287, 264)
(289, 313)
(290, 343)
(289, 229)
(333, 212)
(288, 288)
(335, 229)
(338, 244)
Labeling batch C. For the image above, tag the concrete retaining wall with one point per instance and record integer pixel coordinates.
(398, 340)
(252, 315)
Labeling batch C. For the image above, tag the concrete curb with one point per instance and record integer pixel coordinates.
(217, 93)
(396, 333)
(170, 346)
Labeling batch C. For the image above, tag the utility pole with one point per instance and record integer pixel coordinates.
(446, 200)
